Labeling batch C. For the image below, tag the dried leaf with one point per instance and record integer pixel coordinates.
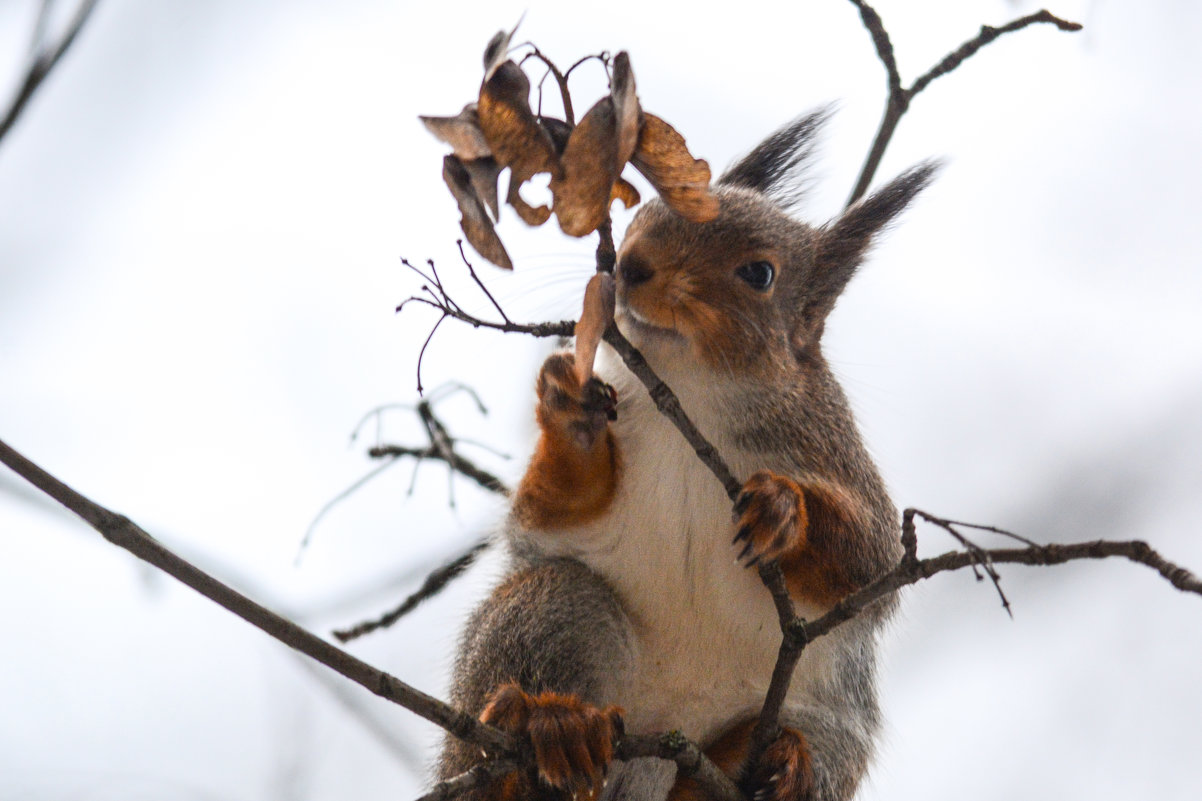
(462, 132)
(682, 181)
(476, 225)
(484, 173)
(498, 48)
(590, 168)
(531, 215)
(595, 317)
(596, 152)
(514, 134)
(512, 130)
(626, 108)
(625, 192)
(558, 130)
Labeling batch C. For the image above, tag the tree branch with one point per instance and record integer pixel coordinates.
(45, 60)
(898, 100)
(661, 394)
(478, 776)
(987, 35)
(798, 633)
(435, 583)
(438, 298)
(669, 405)
(123, 533)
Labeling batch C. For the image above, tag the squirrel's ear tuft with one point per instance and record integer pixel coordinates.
(772, 167)
(843, 243)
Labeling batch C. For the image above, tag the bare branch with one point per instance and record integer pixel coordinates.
(560, 78)
(898, 101)
(43, 62)
(987, 35)
(435, 583)
(669, 405)
(884, 48)
(911, 571)
(798, 632)
(441, 448)
(122, 532)
(337, 499)
(673, 746)
(441, 300)
(458, 463)
(982, 557)
(478, 776)
(689, 759)
(767, 727)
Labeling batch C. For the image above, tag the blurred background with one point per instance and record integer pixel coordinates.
(202, 216)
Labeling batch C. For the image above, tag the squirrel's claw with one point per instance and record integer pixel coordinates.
(579, 412)
(771, 517)
(784, 772)
(573, 741)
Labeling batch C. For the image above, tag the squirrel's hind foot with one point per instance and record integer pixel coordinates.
(784, 772)
(573, 741)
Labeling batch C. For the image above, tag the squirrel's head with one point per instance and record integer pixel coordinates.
(750, 290)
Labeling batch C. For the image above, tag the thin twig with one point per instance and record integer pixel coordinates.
(971, 547)
(460, 464)
(478, 776)
(987, 35)
(440, 448)
(422, 353)
(435, 583)
(43, 62)
(884, 47)
(441, 300)
(40, 26)
(603, 57)
(911, 571)
(560, 78)
(669, 405)
(606, 255)
(767, 726)
(337, 499)
(898, 100)
(689, 759)
(472, 271)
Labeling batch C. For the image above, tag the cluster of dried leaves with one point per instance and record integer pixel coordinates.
(585, 161)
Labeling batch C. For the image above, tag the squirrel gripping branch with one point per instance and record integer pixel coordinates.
(627, 605)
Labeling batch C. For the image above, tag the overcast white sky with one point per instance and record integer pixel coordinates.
(201, 221)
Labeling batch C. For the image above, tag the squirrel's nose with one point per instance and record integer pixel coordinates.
(634, 272)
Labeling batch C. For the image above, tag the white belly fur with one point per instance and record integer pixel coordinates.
(706, 628)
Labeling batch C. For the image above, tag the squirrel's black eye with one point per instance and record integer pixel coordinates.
(757, 274)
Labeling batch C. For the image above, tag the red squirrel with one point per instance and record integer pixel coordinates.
(627, 605)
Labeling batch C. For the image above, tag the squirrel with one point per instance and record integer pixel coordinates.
(626, 607)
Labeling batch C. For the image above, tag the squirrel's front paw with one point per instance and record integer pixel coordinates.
(573, 741)
(784, 772)
(771, 517)
(579, 413)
